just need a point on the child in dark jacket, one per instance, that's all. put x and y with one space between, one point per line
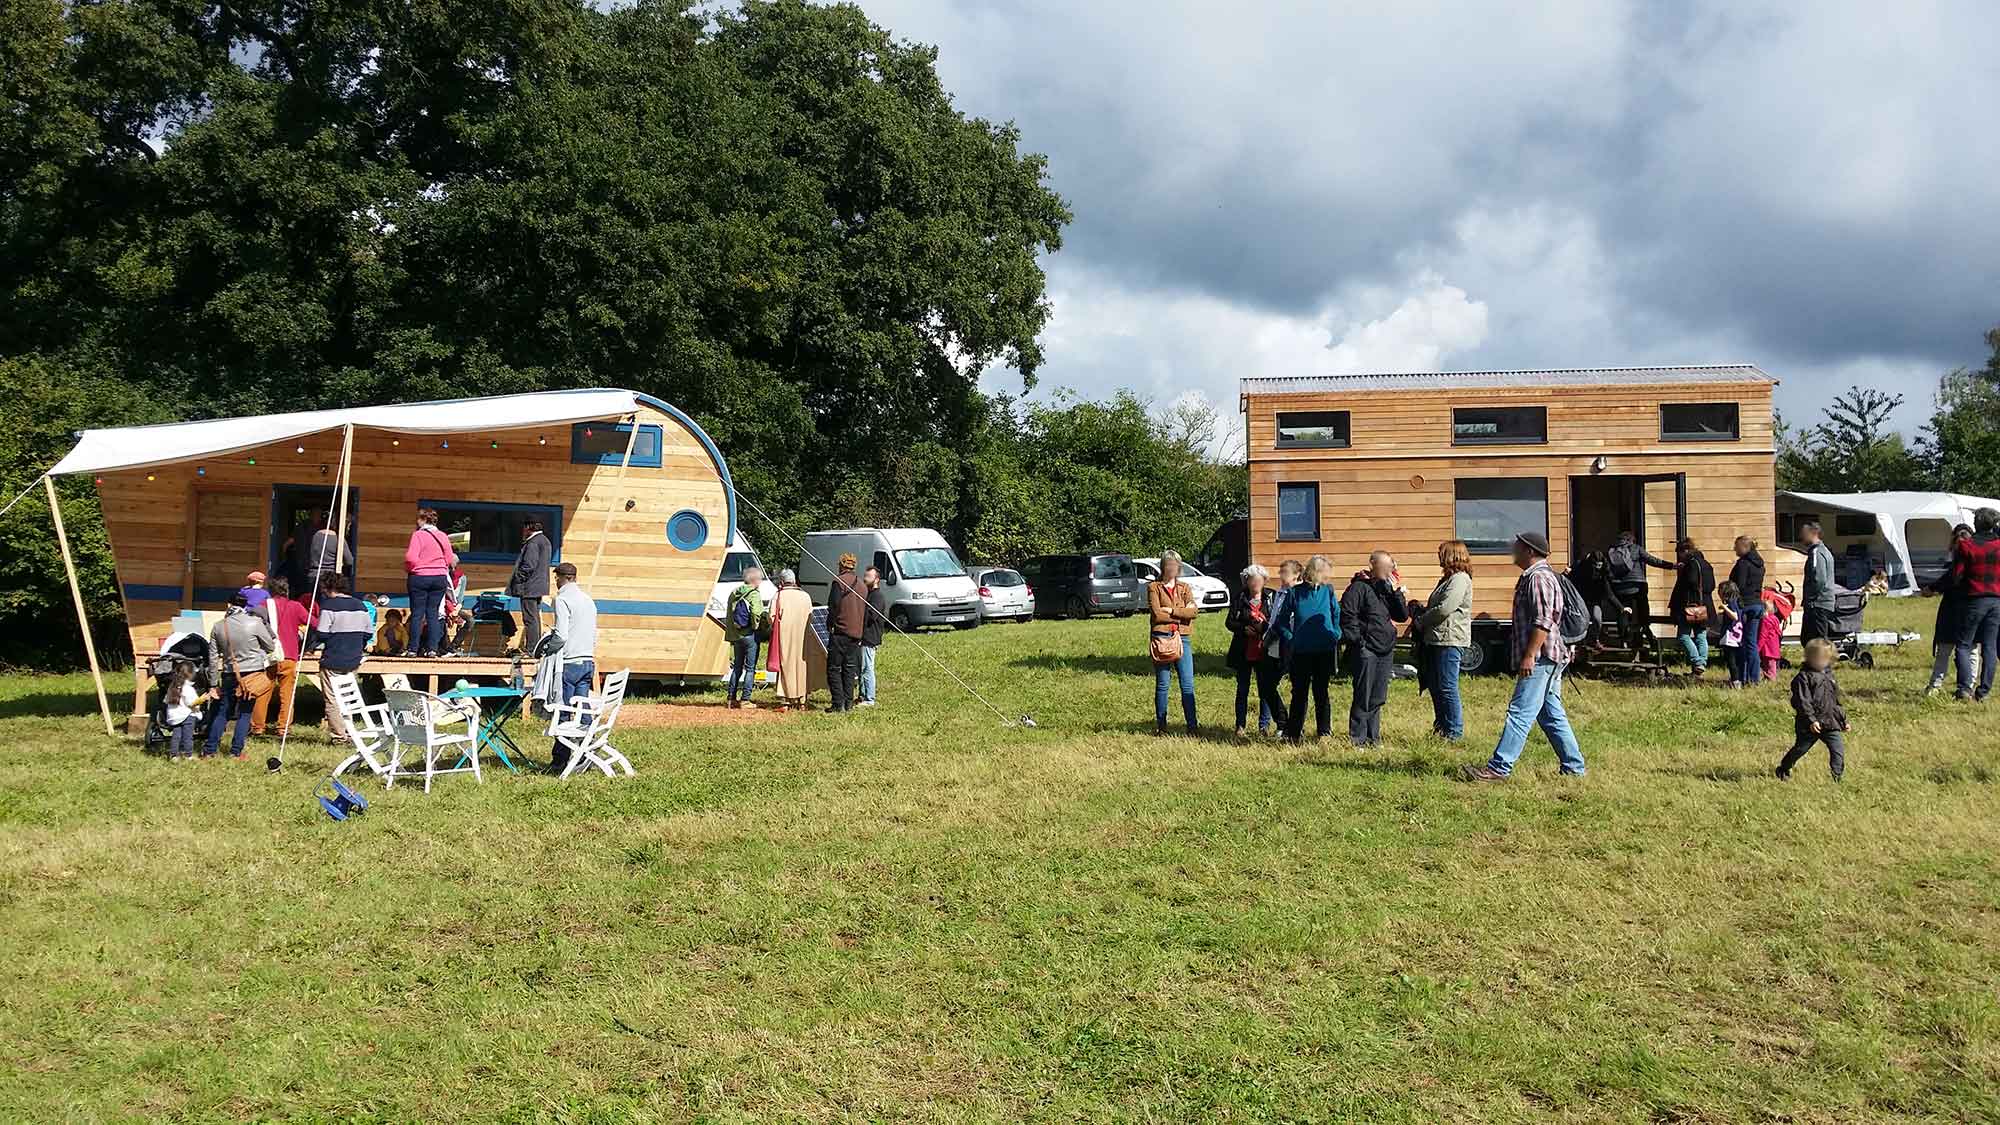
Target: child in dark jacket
1818 715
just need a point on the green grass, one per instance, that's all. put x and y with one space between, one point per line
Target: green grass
916 913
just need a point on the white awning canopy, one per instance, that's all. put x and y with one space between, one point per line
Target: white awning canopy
136 447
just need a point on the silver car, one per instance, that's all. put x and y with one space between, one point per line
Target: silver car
1003 594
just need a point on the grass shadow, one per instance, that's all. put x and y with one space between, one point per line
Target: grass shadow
1117 664
49 705
1375 762
1729 774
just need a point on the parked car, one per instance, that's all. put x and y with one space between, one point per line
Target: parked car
1081 585
922 578
1209 593
741 557
1003 593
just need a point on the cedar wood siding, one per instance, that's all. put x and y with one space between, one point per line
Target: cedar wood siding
1370 496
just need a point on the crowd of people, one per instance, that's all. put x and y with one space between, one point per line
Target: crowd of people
857 610
1295 628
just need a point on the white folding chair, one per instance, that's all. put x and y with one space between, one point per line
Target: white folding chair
368 727
584 726
411 717
444 712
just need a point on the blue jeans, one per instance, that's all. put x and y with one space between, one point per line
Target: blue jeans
1537 701
1244 677
427 611
1164 672
1448 717
576 676
1749 669
868 672
180 739
1980 626
743 667
1694 642
230 708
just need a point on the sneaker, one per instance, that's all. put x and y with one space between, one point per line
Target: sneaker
1483 774
866 703
1782 774
1241 733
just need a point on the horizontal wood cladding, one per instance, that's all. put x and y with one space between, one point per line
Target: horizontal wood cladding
147 516
1593 418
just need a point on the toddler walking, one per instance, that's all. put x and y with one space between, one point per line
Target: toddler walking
1816 710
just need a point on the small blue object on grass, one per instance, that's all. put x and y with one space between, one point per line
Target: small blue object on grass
343 803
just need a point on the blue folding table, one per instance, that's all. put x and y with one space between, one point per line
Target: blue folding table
492 733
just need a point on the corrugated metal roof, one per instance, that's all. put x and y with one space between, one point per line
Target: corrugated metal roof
1555 377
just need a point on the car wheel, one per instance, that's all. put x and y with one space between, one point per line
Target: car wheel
1078 611
900 618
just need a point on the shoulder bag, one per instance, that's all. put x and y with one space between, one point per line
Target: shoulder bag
249 685
1165 648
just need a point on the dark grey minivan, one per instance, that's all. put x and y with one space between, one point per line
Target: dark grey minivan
1082 585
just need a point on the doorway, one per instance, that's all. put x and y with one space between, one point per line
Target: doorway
1653 508
293 507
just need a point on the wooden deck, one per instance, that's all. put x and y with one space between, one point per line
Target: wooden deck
436 673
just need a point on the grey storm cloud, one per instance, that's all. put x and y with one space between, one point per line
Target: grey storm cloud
1808 186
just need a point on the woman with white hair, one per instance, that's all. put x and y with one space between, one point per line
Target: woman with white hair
788 641
1309 627
1172 640
1249 618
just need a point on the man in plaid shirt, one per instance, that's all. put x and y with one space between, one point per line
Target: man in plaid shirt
1977 572
1539 656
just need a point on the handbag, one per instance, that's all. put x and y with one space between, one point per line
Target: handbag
1695 614
1166 648
249 685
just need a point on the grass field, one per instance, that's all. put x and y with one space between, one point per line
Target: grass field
916 913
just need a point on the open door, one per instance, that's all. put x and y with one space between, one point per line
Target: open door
293 507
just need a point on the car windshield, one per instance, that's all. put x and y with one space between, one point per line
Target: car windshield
736 562
1188 571
928 562
1000 578
1112 566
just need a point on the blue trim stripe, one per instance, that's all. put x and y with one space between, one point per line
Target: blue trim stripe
714 454
614 608
609 607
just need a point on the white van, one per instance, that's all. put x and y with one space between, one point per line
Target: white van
922 578
741 557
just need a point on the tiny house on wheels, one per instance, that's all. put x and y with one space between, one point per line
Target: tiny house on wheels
628 488
1344 464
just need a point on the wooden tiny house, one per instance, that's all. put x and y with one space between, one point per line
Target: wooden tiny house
1345 464
630 489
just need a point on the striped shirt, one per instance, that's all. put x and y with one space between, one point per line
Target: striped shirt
1538 604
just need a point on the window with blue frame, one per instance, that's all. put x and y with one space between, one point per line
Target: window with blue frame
603 443
484 532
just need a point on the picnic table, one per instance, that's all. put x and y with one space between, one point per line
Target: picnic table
492 734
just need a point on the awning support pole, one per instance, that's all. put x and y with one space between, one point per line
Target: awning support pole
340 482
611 509
82 618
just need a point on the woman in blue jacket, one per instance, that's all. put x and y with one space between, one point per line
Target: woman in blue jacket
1309 627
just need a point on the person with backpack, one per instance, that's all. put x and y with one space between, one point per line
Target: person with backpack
1374 602
1626 562
742 618
1548 618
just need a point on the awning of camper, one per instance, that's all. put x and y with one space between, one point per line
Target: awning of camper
136 447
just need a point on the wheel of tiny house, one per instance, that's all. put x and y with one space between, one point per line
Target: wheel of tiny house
1078 611
1471 659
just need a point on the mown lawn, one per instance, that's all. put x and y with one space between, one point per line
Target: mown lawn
917 913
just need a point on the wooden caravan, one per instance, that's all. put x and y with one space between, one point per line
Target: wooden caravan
1345 464
629 488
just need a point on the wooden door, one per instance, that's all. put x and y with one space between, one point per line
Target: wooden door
226 538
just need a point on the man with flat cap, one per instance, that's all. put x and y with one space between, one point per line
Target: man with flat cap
1539 655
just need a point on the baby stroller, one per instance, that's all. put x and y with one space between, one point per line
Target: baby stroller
1844 628
179 650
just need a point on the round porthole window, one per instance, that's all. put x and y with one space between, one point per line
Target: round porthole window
687 531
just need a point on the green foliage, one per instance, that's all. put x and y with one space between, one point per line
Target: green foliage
1851 450
1963 438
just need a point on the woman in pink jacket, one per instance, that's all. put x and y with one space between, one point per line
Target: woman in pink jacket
429 560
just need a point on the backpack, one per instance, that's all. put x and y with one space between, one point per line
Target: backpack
739 613
1574 625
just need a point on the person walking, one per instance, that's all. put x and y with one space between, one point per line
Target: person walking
744 616
1817 715
340 631
791 616
240 648
1308 627
1950 620
1818 593
1748 574
428 560
1248 621
846 615
1172 617
1369 610
1977 571
1626 563
1445 627
288 618
871 632
530 582
1692 603
1539 655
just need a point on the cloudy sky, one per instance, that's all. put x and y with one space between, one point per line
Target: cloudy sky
1283 188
